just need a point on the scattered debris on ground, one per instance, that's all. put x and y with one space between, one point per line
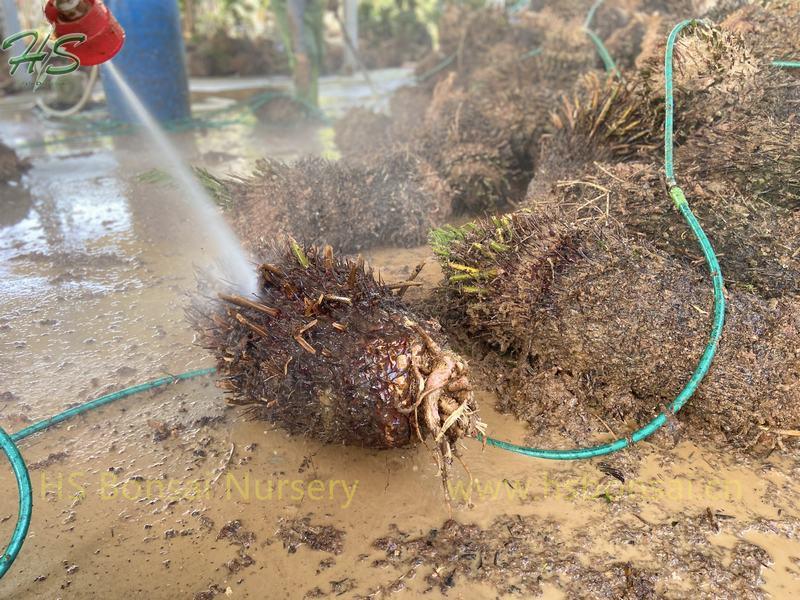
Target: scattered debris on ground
295 533
517 555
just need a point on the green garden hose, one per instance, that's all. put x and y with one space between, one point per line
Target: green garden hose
25 502
679 199
605 55
107 399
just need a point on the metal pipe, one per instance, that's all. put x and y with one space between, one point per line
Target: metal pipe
72 10
350 28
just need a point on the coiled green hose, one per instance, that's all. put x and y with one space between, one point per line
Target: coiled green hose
25 502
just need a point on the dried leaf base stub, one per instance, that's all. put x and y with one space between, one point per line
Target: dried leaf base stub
326 350
623 324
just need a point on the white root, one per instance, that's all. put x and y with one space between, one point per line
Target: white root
444 398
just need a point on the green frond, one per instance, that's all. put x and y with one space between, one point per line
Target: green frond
442 239
219 193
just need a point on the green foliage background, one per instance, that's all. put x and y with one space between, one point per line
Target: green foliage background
253 17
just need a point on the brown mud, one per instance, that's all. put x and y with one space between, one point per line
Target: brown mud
523 556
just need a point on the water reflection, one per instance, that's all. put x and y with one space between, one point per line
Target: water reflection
65 228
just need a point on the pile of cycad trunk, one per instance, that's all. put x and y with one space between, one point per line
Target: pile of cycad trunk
463 141
598 287
592 284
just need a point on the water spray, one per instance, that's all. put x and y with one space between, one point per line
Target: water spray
104 40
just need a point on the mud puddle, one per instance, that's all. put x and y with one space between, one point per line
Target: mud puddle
125 511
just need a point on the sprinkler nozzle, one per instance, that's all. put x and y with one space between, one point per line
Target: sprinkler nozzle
72 10
104 34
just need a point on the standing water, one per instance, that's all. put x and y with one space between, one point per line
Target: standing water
234 259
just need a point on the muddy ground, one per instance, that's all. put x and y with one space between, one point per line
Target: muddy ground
171 494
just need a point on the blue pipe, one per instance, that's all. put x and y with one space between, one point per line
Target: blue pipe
152 61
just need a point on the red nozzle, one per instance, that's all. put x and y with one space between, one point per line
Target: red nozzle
104 35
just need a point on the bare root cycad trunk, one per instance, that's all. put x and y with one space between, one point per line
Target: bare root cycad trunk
349 205
326 350
623 318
